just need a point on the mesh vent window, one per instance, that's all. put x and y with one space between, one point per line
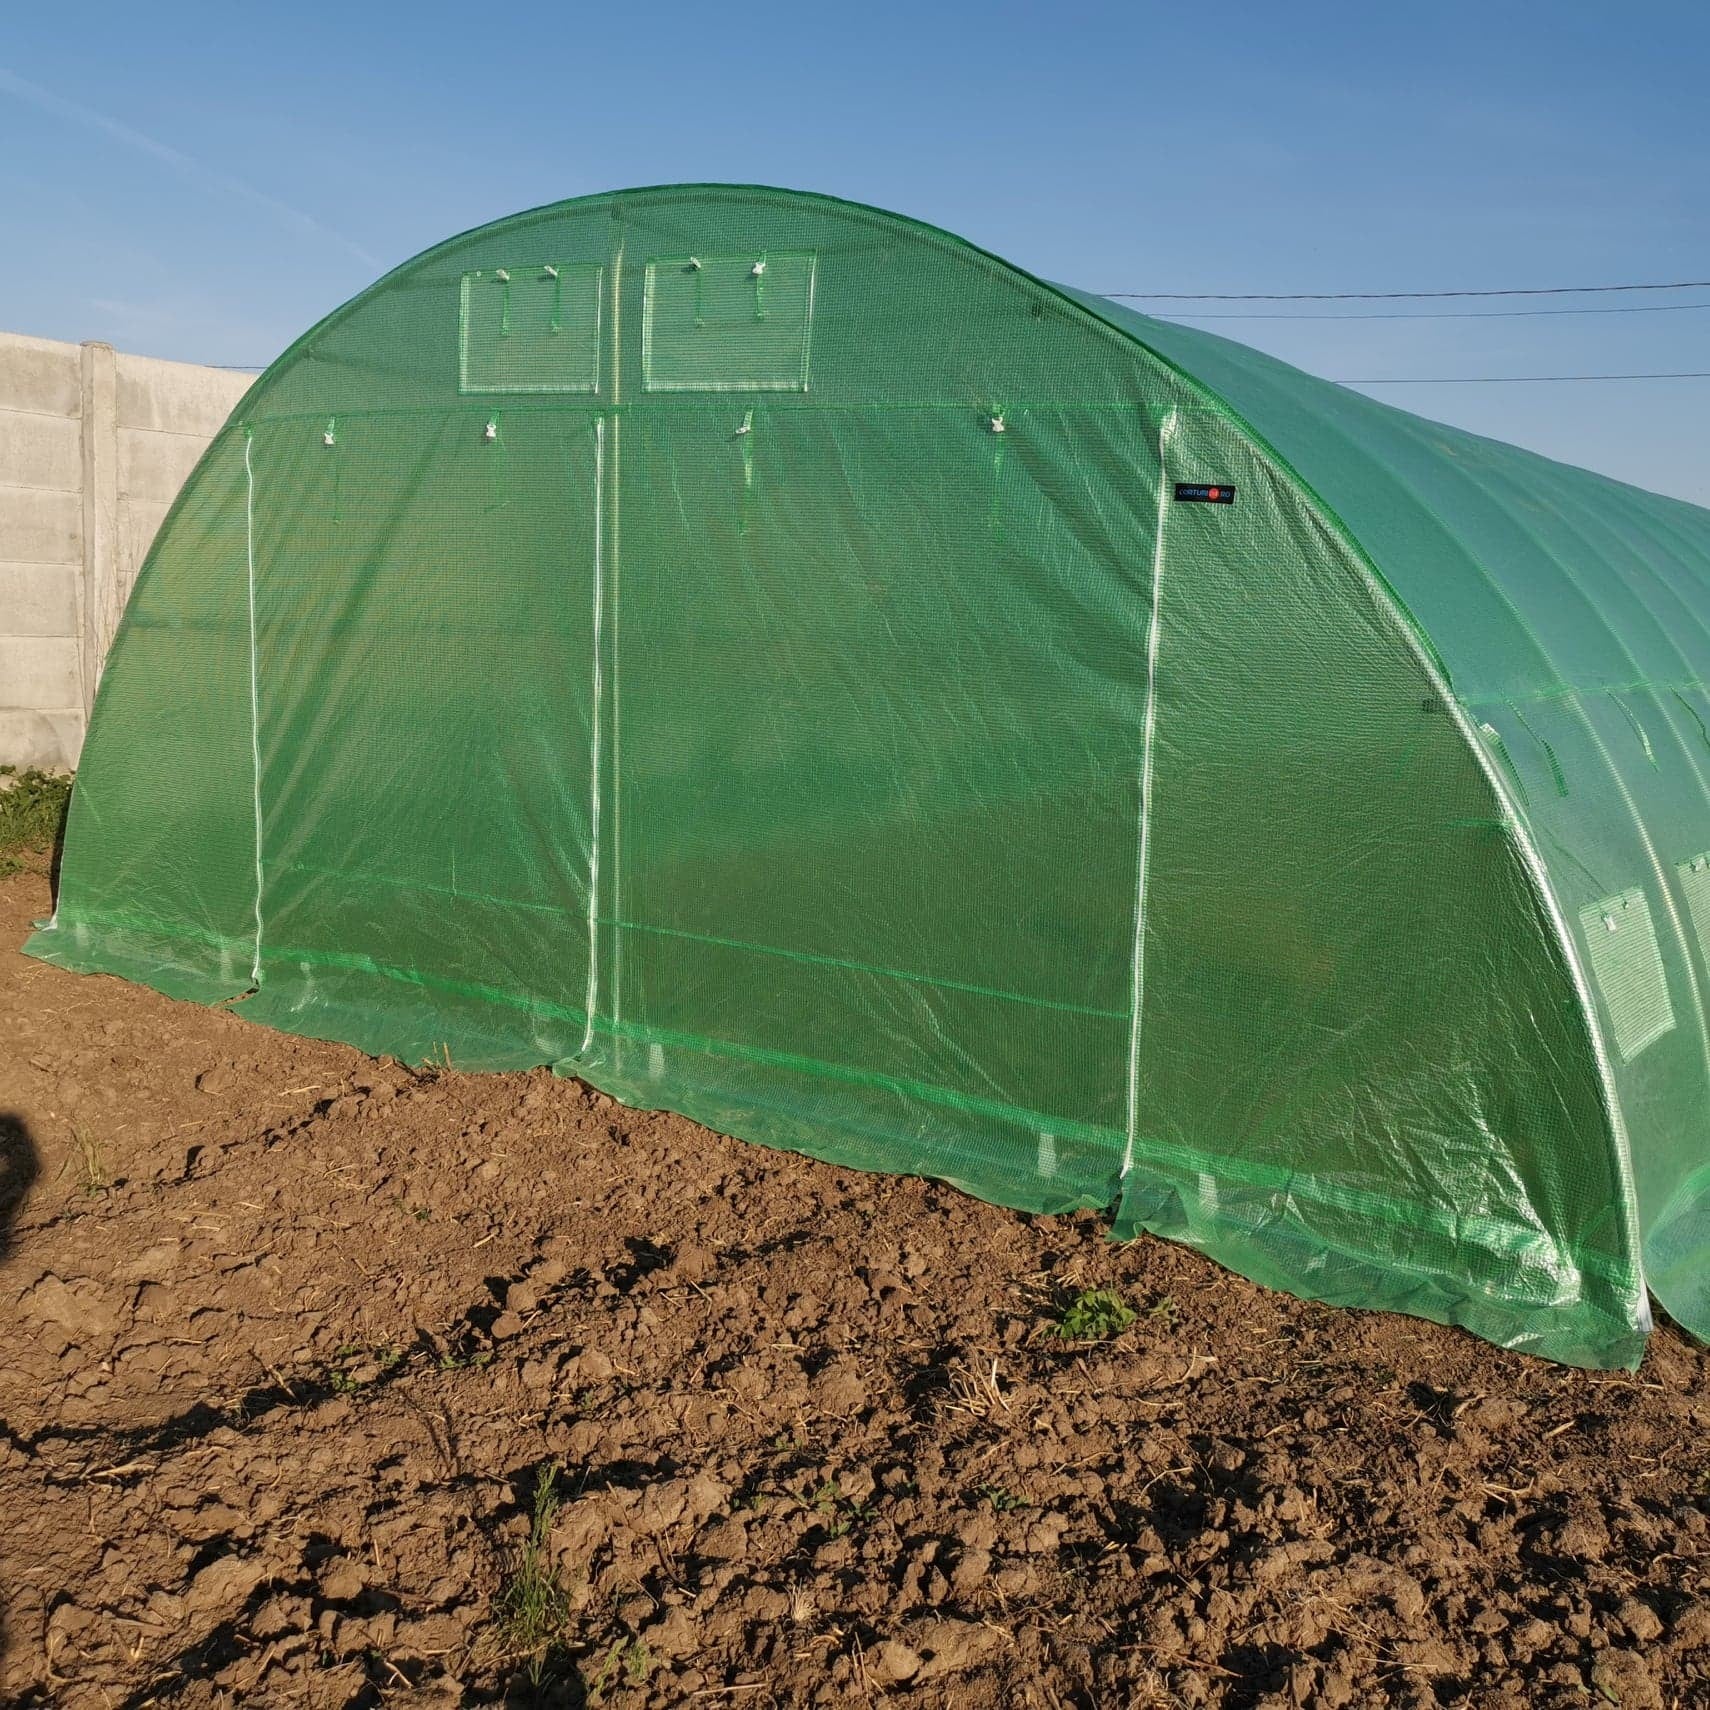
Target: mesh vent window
1629 971
1694 878
531 329
728 323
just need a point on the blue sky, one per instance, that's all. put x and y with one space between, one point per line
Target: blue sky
204 181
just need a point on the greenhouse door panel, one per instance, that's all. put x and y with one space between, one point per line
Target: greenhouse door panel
425 624
882 685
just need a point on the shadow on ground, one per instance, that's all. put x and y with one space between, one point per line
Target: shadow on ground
19 1166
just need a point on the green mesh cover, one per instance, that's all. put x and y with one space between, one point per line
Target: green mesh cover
775 660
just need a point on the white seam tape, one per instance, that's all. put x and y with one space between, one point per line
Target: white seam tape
594 745
1137 985
254 691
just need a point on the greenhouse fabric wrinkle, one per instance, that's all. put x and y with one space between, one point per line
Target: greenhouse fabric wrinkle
780 663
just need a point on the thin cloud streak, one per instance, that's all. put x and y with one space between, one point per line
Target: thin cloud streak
22 89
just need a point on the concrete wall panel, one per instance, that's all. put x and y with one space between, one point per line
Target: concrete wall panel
94 447
41 672
153 464
39 599
176 397
40 528
39 375
40 451
40 738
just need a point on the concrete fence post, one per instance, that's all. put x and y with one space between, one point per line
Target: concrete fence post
101 595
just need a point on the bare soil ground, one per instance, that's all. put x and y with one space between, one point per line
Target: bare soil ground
291 1338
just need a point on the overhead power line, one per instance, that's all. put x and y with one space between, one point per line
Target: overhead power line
1520 379
1395 296
1434 315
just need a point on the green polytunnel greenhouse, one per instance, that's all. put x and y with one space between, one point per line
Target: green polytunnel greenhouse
778 662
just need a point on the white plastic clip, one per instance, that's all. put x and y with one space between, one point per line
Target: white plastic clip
492 432
501 274
997 425
550 271
756 270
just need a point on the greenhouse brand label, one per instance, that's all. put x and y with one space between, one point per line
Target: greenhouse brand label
1199 493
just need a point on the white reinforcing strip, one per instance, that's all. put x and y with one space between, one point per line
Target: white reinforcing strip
611 571
1137 983
254 690
594 745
